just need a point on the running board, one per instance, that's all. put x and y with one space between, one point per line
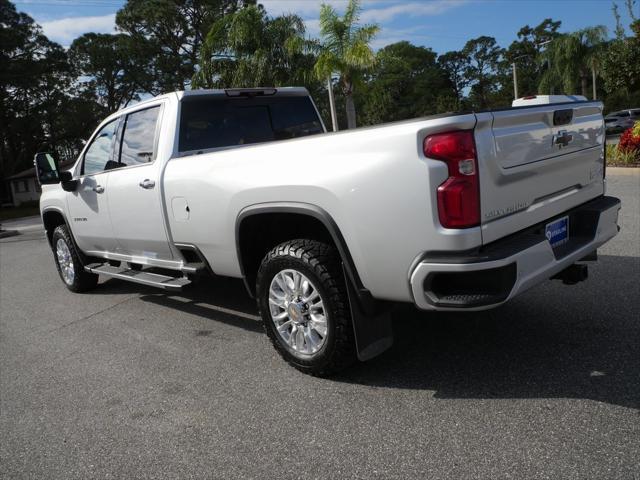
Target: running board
139 276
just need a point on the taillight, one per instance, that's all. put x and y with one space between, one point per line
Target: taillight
459 195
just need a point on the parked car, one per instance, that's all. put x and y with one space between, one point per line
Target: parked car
456 212
618 122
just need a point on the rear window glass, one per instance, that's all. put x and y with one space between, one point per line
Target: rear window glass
215 122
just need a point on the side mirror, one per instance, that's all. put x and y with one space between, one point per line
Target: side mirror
48 172
67 181
46 168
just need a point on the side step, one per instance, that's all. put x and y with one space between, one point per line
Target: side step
165 282
194 267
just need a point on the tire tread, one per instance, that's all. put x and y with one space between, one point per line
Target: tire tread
83 281
325 263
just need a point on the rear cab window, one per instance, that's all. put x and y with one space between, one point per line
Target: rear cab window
217 121
138 138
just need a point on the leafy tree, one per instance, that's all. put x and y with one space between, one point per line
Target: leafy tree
483 54
345 50
525 53
34 75
406 82
455 65
621 64
572 57
249 48
111 66
173 32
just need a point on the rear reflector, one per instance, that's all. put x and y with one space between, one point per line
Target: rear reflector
459 195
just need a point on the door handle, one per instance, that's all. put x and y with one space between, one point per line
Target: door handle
98 189
146 183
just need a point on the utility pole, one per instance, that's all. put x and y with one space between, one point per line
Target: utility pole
332 105
515 74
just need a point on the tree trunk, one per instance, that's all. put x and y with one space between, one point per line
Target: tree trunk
584 85
351 110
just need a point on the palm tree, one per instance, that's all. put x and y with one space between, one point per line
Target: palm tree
345 50
249 49
573 57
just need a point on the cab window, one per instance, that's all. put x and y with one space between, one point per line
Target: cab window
218 122
138 137
100 149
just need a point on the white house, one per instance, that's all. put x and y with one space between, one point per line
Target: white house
24 187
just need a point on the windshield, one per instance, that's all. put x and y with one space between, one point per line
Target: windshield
214 121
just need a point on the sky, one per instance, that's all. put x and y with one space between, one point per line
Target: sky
442 25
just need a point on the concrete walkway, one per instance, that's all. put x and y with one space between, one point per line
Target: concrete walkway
23 225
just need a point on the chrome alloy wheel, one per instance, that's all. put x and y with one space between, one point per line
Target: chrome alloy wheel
298 311
65 261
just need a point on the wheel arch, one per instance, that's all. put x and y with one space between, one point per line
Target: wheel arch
52 218
255 216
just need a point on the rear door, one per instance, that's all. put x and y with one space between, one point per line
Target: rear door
134 195
537 162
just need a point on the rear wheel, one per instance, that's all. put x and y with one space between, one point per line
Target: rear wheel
304 306
69 264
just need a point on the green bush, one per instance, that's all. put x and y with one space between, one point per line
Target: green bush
618 158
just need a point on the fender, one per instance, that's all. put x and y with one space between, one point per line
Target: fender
82 255
62 214
317 213
371 318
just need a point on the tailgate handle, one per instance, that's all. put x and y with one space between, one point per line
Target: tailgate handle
562 117
562 138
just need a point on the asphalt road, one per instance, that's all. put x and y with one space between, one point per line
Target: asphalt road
129 382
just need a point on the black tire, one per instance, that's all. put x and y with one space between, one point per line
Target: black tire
82 280
321 264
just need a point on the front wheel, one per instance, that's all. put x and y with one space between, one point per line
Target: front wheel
69 264
304 306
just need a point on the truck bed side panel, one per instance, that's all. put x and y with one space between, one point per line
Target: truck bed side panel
374 182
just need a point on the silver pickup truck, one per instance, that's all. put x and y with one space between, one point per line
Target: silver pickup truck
329 230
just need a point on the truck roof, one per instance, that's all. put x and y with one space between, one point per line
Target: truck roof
230 92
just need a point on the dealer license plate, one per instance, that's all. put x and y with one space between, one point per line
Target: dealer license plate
557 232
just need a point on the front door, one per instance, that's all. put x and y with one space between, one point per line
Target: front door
135 196
88 208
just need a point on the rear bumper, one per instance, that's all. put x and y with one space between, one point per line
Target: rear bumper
499 271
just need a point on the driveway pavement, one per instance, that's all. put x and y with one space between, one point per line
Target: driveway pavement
130 382
23 225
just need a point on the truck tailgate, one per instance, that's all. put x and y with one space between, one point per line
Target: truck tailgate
537 162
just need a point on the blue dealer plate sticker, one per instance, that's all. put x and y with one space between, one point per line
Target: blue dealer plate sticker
557 232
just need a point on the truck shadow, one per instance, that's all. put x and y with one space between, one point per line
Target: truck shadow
555 341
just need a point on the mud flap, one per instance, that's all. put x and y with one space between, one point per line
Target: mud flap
372 328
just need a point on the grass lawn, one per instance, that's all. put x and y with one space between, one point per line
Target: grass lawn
25 210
